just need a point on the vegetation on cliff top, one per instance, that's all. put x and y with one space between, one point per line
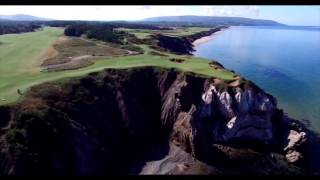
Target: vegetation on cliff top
21 56
178 32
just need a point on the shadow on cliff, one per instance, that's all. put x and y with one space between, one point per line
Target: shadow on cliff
150 152
114 122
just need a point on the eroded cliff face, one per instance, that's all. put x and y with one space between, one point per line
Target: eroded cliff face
105 122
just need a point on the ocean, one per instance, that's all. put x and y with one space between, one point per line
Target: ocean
284 61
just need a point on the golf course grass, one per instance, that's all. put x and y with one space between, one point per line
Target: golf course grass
20 59
145 33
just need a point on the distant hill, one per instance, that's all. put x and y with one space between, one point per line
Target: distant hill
213 20
22 17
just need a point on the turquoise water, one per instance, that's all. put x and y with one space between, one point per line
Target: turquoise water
283 62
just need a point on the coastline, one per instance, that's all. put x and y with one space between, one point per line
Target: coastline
202 40
192 87
207 37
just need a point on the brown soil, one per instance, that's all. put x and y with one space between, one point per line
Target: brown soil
236 82
73 53
218 81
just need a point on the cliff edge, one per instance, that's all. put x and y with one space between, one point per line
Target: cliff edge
149 121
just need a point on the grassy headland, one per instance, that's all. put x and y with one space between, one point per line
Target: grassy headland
21 56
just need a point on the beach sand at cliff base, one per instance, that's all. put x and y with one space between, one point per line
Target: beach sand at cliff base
205 38
202 40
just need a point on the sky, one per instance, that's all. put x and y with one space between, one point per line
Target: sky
290 15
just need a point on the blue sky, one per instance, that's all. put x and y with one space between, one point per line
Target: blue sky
291 15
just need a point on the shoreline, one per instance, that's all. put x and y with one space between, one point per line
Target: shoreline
206 38
202 40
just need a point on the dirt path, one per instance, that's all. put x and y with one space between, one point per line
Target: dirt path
102 45
131 52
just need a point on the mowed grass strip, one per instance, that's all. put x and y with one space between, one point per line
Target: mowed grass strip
20 52
18 74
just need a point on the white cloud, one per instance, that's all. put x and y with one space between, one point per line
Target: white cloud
240 11
127 12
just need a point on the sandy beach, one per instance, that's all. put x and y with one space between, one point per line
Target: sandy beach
202 40
206 38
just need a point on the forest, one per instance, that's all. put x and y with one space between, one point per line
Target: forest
10 27
103 32
179 45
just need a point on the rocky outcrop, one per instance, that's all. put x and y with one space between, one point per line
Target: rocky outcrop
293 156
296 139
103 123
178 45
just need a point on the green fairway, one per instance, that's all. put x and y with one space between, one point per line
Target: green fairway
145 33
20 52
186 31
19 56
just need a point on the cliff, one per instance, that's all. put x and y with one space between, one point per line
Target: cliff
148 120
180 45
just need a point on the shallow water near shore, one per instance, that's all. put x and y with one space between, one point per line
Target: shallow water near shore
285 62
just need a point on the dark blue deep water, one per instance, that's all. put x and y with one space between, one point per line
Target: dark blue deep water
284 62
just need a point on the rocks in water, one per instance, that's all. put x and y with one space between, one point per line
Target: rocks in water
296 139
293 156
